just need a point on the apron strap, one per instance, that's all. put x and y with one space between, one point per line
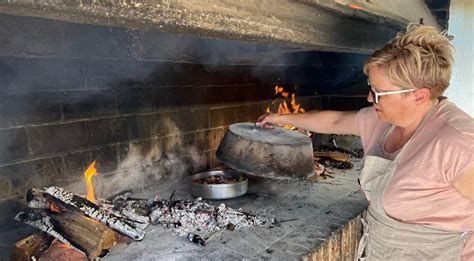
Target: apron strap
360 256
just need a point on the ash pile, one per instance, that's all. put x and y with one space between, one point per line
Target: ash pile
91 228
184 216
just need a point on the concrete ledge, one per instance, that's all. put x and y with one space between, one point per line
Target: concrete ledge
305 24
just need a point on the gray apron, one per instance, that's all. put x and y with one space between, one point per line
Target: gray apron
385 238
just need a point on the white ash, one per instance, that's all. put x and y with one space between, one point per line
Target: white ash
182 216
40 203
187 216
135 211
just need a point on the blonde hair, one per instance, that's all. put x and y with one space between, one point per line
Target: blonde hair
422 57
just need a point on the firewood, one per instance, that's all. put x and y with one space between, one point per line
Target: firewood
35 199
335 159
70 200
71 228
41 219
58 251
334 155
91 236
31 247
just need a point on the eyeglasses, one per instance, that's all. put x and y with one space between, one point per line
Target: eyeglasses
376 94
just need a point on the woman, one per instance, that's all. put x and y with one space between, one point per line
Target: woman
418 173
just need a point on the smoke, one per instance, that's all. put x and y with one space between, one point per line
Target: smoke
146 165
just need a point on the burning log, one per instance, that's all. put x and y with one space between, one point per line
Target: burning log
89 235
35 199
335 159
71 228
40 219
31 247
59 251
68 199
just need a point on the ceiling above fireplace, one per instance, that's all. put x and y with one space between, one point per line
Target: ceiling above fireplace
357 26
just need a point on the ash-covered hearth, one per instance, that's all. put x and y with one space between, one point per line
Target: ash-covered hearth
126 215
313 220
272 213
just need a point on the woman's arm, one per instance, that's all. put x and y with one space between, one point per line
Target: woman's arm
330 122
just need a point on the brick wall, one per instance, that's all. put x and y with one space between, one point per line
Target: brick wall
137 102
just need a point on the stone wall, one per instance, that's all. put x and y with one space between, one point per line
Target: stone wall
144 105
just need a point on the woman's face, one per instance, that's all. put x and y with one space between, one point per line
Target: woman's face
393 108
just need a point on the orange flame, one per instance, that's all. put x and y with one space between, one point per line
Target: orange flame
283 107
54 208
63 246
90 171
356 7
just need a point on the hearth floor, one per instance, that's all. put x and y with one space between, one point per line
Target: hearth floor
309 212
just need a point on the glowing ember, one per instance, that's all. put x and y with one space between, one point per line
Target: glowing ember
356 7
283 107
90 171
62 245
54 208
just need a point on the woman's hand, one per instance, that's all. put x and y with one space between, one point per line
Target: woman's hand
267 120
334 122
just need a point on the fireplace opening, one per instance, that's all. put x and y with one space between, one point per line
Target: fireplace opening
150 109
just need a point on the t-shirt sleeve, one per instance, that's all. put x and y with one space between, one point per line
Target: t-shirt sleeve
456 141
459 162
368 125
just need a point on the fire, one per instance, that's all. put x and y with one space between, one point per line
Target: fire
90 171
63 246
356 7
54 208
283 107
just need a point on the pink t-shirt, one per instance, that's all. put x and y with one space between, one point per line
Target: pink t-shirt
421 190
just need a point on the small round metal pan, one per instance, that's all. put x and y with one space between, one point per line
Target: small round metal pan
219 184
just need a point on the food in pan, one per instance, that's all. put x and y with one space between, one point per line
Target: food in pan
219 179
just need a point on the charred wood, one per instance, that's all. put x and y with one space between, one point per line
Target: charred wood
41 219
89 235
35 199
31 247
134 210
71 200
73 229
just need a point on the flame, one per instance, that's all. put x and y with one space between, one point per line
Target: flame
283 107
278 89
356 7
63 245
90 171
54 208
